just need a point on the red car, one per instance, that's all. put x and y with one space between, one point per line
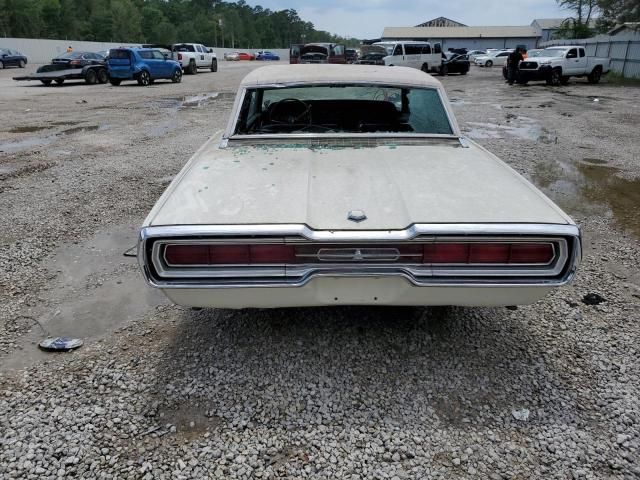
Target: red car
246 56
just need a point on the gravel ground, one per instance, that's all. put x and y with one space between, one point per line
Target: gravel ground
550 390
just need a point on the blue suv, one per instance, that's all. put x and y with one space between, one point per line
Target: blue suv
142 64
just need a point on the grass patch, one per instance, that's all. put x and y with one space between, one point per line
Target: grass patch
617 79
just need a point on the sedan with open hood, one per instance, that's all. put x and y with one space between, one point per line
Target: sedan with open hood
351 186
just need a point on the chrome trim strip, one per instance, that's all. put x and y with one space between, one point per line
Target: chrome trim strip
292 271
326 136
288 276
303 232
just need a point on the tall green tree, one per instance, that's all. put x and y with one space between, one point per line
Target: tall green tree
616 12
212 22
578 26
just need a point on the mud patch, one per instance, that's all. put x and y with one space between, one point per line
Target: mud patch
64 123
204 99
191 421
13 170
74 130
594 161
93 290
196 101
16 146
26 144
27 129
520 127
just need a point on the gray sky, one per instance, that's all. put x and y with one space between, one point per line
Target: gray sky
367 18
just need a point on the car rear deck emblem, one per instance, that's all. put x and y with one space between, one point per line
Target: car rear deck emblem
357 216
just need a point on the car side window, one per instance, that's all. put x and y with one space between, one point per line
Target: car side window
146 55
426 49
398 50
157 55
573 53
582 54
437 48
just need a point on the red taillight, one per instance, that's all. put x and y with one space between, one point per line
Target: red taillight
489 253
479 253
187 254
531 253
177 254
221 254
272 254
446 253
472 253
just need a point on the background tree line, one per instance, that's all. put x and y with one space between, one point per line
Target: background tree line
596 16
211 22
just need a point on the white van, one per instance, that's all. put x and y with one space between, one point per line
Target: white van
421 55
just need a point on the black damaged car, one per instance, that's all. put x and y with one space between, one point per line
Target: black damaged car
454 63
371 55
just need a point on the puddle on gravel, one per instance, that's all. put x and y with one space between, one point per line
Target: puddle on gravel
582 185
199 100
520 127
173 104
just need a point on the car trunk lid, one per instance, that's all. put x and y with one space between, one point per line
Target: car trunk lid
394 185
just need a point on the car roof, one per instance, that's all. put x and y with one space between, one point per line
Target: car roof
302 73
400 42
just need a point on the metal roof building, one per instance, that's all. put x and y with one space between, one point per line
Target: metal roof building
473 38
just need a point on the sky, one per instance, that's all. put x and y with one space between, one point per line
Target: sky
367 18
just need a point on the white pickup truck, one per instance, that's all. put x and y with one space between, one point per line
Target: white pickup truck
193 56
557 64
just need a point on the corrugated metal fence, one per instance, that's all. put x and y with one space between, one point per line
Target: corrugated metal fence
623 49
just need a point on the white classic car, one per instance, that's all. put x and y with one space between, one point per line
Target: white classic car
351 186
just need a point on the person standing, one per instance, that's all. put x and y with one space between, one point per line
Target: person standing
513 62
69 49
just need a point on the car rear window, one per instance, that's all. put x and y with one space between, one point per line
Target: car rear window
119 54
70 55
343 109
184 48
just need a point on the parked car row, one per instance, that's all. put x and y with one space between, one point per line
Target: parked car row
261 55
145 65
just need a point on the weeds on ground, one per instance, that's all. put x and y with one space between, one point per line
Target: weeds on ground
616 78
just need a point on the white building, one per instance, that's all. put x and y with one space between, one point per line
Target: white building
473 38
